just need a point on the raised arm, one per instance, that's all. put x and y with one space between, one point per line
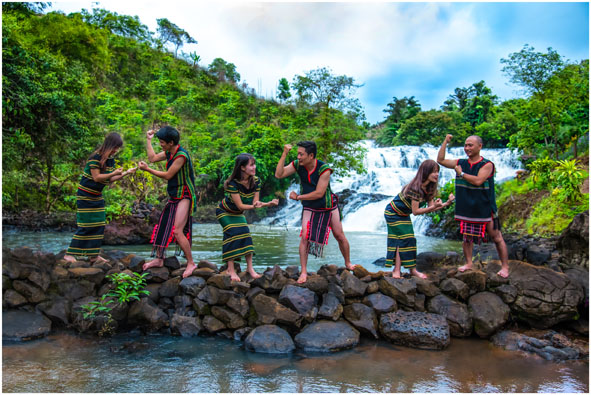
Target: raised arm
153 156
120 176
449 163
168 174
318 193
283 171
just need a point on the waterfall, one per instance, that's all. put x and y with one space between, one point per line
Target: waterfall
388 170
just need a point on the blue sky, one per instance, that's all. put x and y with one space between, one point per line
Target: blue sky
416 49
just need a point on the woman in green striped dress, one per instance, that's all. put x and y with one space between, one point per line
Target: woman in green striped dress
402 244
242 193
90 216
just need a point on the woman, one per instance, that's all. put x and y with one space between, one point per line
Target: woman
402 244
90 215
242 193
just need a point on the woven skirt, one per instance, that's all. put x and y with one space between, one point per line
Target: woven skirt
401 237
90 219
237 241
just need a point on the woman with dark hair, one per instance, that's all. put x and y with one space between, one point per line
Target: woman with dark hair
402 244
90 215
242 193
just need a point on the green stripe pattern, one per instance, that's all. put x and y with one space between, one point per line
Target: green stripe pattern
401 234
237 241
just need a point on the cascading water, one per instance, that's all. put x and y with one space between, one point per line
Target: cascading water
388 170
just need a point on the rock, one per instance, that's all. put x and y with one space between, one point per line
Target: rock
185 326
270 311
337 291
136 264
428 260
58 310
317 284
253 292
273 280
212 324
240 287
293 272
153 289
380 303
537 255
545 348
580 276
363 318
170 288
93 275
456 314
75 289
206 264
327 270
145 313
157 274
474 279
40 279
204 272
380 262
172 263
455 288
10 267
269 339
12 299
420 302
22 325
183 304
352 286
230 319
402 290
32 293
414 329
507 292
426 287
327 336
210 295
59 273
222 281
239 334
372 287
300 299
488 312
239 305
573 243
201 307
192 285
331 308
127 230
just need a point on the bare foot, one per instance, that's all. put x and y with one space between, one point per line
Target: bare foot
69 258
153 263
233 276
396 274
350 266
254 274
303 277
504 272
189 270
467 266
418 274
98 259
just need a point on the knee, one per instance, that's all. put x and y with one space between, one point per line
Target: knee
339 236
178 233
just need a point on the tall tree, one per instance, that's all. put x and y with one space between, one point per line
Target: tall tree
283 92
171 33
225 71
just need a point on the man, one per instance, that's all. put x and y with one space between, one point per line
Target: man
320 210
175 221
476 208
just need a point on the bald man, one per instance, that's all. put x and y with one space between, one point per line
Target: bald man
476 208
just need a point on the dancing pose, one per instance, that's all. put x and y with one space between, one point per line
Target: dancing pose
175 221
320 210
476 208
402 244
242 189
90 215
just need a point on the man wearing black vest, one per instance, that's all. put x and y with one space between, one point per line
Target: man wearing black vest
476 207
320 211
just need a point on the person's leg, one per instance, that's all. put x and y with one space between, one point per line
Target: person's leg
467 247
396 271
416 273
497 238
180 219
304 248
231 271
339 235
249 268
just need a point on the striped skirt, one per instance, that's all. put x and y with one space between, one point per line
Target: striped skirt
401 237
237 241
90 218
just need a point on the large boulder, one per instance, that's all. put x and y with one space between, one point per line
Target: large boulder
488 312
58 310
128 230
363 318
31 292
192 285
331 307
185 326
573 243
145 313
544 296
229 318
380 303
269 339
327 336
474 279
401 289
415 329
456 314
13 299
352 286
455 288
550 346
270 311
23 325
300 299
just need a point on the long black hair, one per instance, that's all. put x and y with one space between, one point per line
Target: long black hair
112 141
241 160
425 169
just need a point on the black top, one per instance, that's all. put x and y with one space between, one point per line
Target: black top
309 182
87 186
246 195
184 179
475 203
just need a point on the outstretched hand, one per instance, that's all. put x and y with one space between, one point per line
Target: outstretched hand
274 202
438 204
293 195
117 172
142 165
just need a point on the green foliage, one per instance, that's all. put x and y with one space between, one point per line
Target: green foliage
127 287
568 178
541 172
171 33
551 215
283 92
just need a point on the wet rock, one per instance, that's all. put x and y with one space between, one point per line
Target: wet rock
145 313
153 289
239 305
192 285
352 286
380 262
201 307
93 275
128 230
22 325
240 287
270 311
183 304
361 272
337 291
240 334
293 272
58 310
363 318
537 255
212 324
380 303
317 284
429 260
402 290
506 292
170 288
210 295
172 263
456 314
573 243
269 339
488 312
327 336
221 281
253 292
331 307
40 278
157 274
300 299
420 302
545 348
474 279
229 318
426 287
414 329
75 289
327 270
185 326
12 299
372 287
32 293
455 288
206 264
204 272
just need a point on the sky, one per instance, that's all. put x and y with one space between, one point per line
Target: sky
425 50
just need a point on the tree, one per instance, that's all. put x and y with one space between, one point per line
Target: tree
224 71
532 70
283 92
398 111
123 25
171 33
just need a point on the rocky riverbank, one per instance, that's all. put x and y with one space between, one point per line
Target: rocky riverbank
330 312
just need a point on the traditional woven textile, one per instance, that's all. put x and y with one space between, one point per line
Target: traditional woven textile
475 232
163 233
401 234
317 231
237 241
